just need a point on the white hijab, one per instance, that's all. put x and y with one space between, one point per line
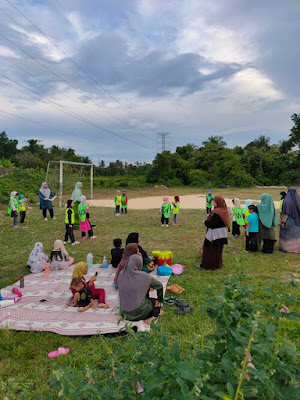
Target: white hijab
37 259
82 200
59 246
46 192
12 195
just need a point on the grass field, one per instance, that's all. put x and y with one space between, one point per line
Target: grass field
24 366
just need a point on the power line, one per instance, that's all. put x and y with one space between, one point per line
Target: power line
69 58
163 137
72 114
62 79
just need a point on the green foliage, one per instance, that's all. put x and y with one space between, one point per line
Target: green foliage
8 147
242 359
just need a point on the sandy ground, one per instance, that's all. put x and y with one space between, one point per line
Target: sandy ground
146 203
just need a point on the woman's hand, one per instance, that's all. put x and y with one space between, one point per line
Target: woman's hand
157 304
203 222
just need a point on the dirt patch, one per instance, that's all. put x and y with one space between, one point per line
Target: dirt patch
146 203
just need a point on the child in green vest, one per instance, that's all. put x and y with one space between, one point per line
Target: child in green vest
282 194
13 208
237 218
118 201
165 211
22 207
84 219
124 201
209 201
176 206
70 221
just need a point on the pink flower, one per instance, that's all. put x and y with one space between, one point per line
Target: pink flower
139 387
284 309
251 365
112 375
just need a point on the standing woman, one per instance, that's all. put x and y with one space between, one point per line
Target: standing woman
217 223
289 236
76 196
46 199
267 222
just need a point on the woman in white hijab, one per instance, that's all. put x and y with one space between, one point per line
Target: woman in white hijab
37 259
46 199
59 257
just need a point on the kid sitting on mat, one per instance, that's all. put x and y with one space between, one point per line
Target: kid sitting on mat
82 295
117 252
80 270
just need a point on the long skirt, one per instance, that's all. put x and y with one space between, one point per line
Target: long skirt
289 236
75 208
212 256
268 237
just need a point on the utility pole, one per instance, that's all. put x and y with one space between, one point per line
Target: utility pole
163 141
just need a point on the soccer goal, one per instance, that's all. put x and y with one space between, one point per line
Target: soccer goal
70 179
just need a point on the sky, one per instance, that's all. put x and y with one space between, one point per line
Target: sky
105 76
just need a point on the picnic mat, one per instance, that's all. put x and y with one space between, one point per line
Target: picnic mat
53 315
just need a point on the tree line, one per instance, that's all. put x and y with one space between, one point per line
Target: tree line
211 164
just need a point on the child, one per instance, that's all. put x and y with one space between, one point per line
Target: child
70 221
80 270
37 259
237 219
209 201
282 194
252 229
118 201
82 295
59 257
176 206
22 207
165 211
248 203
84 223
117 252
124 201
13 208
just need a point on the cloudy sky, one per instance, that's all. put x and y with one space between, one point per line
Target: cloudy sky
104 76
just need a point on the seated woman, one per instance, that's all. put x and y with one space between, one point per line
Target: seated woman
130 249
134 286
134 237
80 270
37 259
59 257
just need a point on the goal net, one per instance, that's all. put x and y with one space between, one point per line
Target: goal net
62 176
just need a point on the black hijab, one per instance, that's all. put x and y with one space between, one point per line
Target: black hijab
133 237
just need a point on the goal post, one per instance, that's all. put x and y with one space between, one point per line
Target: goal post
61 175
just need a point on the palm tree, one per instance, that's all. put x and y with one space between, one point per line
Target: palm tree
218 140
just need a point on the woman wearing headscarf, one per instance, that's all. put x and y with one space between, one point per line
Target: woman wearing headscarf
267 222
46 199
76 196
217 223
134 286
37 259
289 236
80 270
130 249
59 257
134 237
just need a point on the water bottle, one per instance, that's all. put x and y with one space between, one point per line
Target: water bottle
89 260
47 271
105 262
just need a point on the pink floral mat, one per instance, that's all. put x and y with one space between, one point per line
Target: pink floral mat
53 315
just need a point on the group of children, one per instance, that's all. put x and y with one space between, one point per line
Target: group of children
85 225
165 210
17 205
121 202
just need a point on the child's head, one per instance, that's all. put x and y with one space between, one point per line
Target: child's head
118 191
117 243
166 199
70 203
252 209
21 196
124 191
282 194
209 191
176 198
77 284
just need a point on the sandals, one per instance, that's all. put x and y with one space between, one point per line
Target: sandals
184 308
170 300
175 289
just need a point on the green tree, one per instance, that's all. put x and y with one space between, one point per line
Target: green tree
295 131
218 140
8 147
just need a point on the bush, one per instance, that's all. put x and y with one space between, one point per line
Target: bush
201 178
242 359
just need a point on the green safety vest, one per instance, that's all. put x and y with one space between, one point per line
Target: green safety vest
123 199
118 200
9 210
22 206
176 208
238 212
166 209
209 198
72 216
280 204
82 211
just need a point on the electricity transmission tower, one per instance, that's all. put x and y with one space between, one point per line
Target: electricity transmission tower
163 142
